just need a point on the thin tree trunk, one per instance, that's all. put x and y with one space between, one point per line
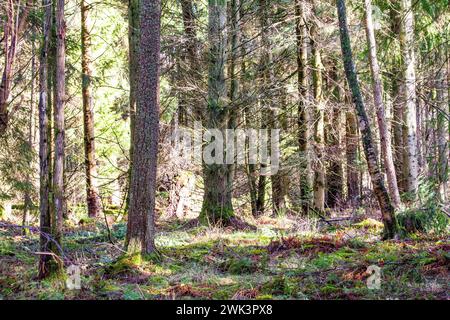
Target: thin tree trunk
319 129
306 174
385 136
411 152
387 210
141 227
92 195
58 168
442 126
44 142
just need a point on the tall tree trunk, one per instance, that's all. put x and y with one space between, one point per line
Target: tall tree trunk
217 206
335 175
133 50
92 195
58 168
443 125
411 152
306 175
44 143
385 136
397 104
28 203
319 128
141 227
387 210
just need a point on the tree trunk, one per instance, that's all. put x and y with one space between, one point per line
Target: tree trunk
411 152
92 195
385 136
397 104
141 228
217 206
352 157
387 210
319 128
58 168
133 45
335 175
44 143
306 175
443 127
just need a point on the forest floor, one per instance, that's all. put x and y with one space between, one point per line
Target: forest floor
278 260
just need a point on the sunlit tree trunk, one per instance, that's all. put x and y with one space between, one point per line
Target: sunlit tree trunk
407 46
385 136
92 195
217 206
141 227
133 46
44 143
306 174
58 168
319 129
387 210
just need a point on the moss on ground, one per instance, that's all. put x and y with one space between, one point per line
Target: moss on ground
202 263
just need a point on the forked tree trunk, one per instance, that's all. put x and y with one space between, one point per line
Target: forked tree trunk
387 210
92 195
141 228
385 136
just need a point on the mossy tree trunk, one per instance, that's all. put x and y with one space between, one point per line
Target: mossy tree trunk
141 227
385 135
387 210
217 206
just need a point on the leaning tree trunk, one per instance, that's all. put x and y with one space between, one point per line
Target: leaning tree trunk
385 136
387 210
44 143
141 227
306 176
217 206
92 195
58 168
411 152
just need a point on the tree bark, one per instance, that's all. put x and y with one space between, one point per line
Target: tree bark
387 210
306 174
92 195
385 136
141 228
319 128
411 153
217 206
44 143
58 168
